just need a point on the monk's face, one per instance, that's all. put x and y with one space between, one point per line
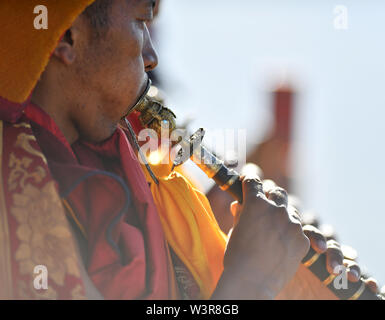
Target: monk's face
109 71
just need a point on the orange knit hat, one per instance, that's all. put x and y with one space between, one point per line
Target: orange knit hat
24 50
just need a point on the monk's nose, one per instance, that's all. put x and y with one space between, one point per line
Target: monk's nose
150 57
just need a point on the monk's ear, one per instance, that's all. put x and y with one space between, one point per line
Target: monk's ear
65 50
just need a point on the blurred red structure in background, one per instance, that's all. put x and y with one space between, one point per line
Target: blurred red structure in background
273 155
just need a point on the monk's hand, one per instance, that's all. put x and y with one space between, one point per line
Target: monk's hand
335 260
265 247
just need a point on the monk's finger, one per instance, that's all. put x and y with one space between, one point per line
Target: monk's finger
268 185
278 195
251 169
334 257
252 187
354 270
317 240
294 214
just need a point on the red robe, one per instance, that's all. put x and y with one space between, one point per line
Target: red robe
106 195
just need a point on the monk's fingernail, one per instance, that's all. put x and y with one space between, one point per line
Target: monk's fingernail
322 245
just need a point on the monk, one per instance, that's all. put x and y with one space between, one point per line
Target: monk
74 198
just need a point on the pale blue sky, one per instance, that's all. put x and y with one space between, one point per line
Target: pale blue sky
222 55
